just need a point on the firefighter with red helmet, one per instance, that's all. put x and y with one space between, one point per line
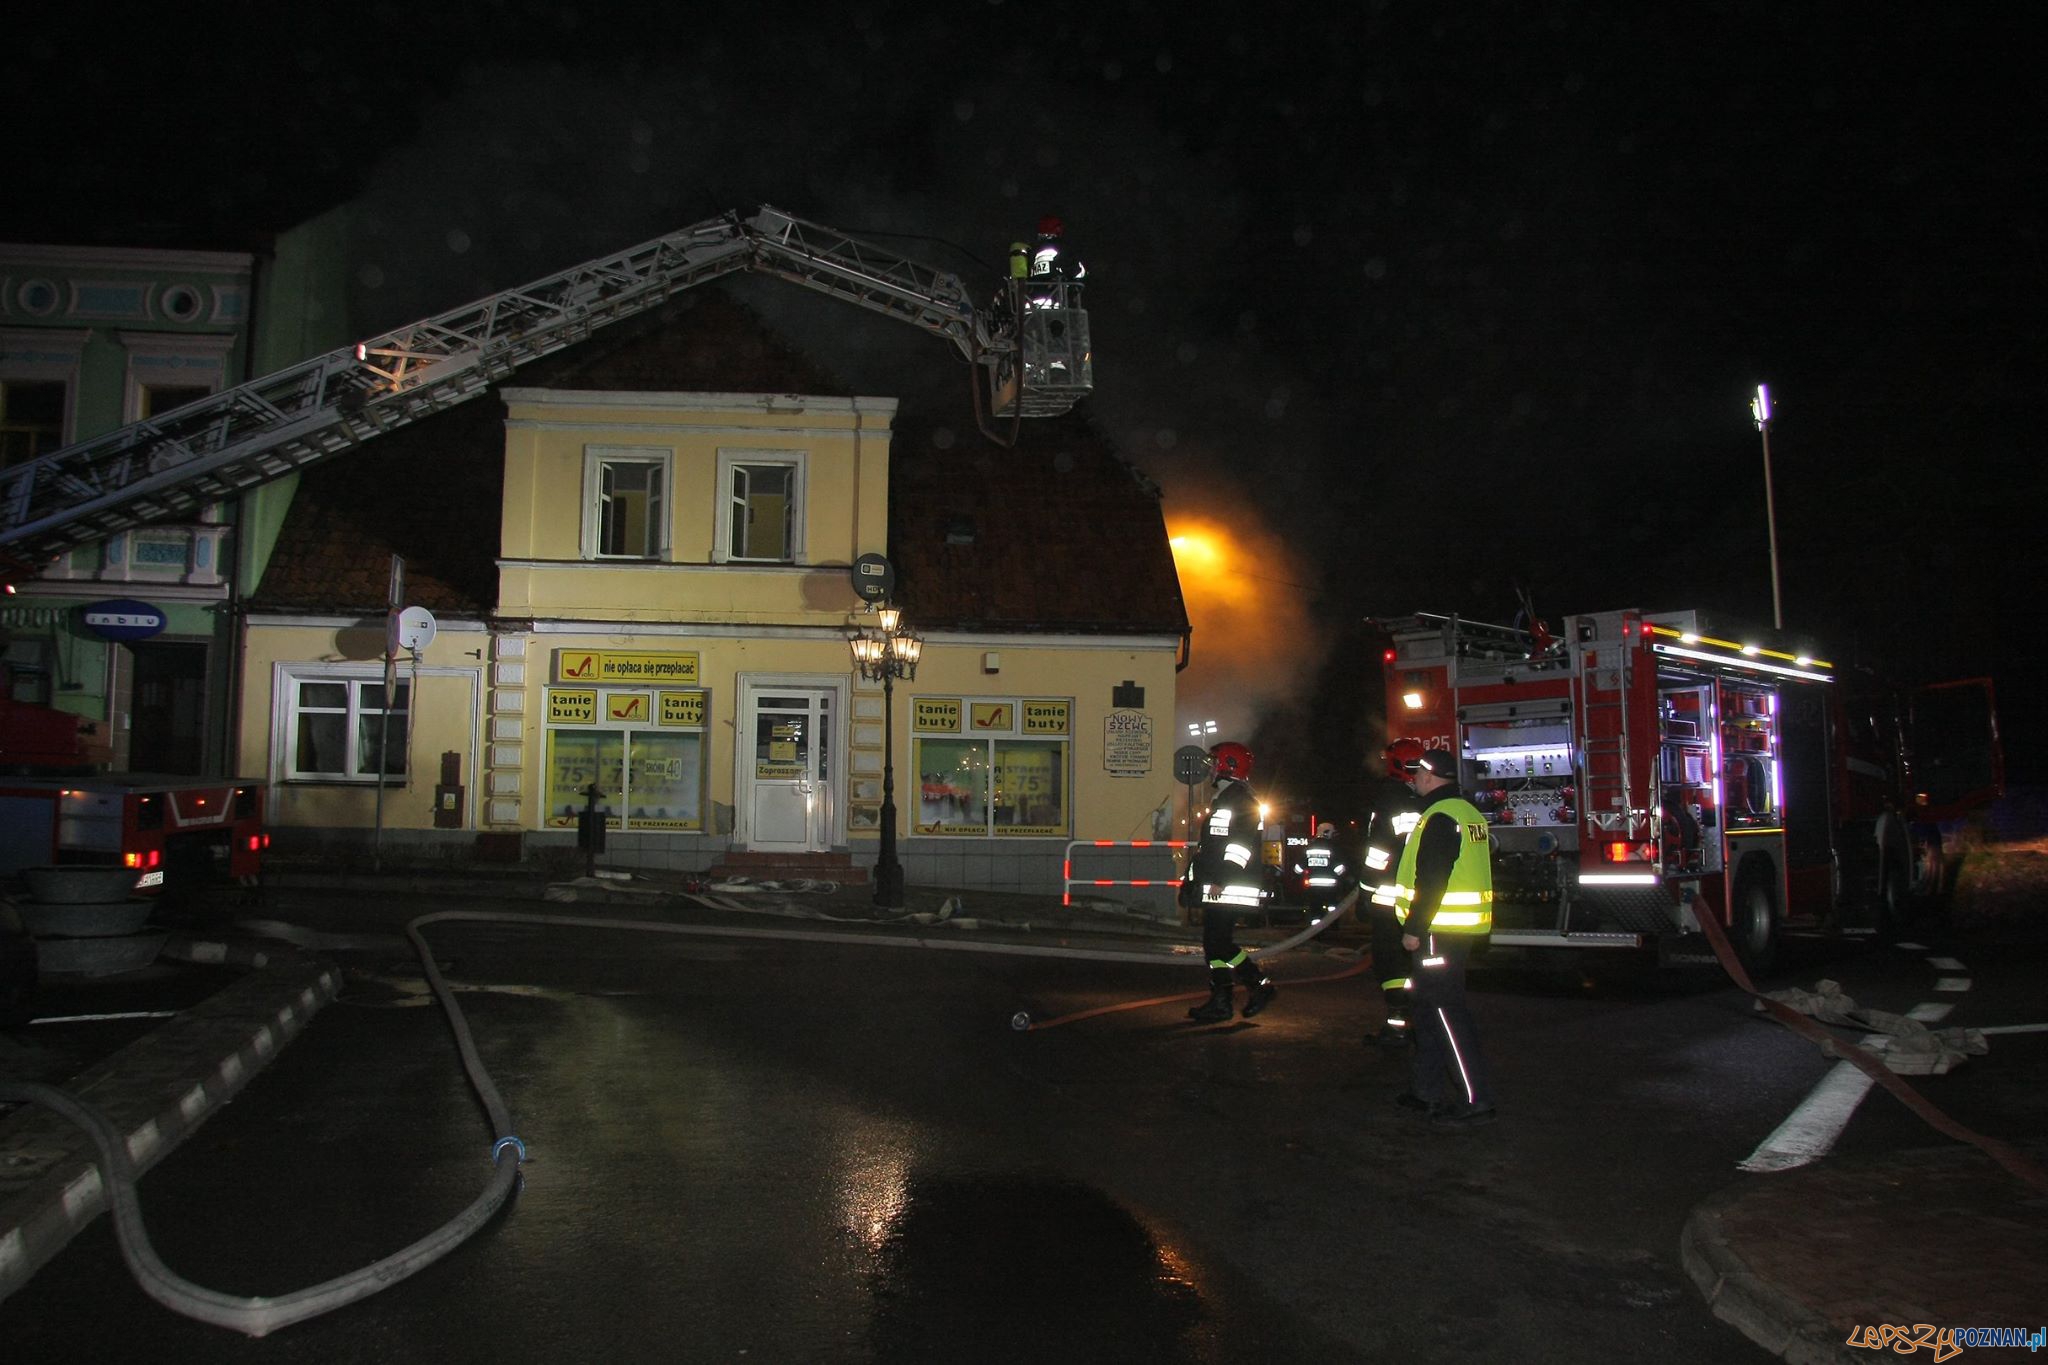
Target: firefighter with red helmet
1230 873
1054 262
1395 810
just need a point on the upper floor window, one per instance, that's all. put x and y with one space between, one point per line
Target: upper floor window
158 399
626 517
31 418
763 516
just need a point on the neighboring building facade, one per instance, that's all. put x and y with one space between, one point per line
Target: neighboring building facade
639 557
93 339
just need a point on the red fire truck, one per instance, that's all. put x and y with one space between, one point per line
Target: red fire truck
174 831
1644 768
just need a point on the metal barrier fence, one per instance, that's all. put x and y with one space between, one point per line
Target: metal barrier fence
1067 864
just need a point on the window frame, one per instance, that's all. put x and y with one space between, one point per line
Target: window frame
957 727
290 709
661 515
195 360
733 459
36 355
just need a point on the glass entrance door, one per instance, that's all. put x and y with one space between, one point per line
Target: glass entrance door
789 769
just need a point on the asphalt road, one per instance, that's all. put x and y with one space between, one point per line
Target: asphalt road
816 1151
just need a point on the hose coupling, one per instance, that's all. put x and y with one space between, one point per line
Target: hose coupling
498 1149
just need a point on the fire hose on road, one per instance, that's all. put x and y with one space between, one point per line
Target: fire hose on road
261 1315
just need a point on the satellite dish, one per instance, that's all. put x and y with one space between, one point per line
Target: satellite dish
414 628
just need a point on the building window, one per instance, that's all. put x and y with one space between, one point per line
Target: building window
167 370
763 517
27 670
158 399
992 766
31 418
626 517
644 750
335 725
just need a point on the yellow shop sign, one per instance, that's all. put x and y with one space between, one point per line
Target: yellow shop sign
1044 717
572 706
610 666
682 708
935 715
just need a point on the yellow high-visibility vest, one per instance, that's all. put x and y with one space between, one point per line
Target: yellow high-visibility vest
1467 906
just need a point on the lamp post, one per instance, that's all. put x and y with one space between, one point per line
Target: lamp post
886 651
1760 409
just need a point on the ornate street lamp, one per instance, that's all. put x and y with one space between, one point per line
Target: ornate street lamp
885 651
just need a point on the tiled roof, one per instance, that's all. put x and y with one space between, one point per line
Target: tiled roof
1057 534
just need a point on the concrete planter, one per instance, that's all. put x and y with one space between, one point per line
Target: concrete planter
85 921
97 956
79 885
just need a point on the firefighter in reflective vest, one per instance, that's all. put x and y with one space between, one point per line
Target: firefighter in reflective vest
1325 876
1229 869
1395 810
1443 894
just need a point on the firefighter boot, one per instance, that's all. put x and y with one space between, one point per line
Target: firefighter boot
1218 1007
1395 1032
1259 988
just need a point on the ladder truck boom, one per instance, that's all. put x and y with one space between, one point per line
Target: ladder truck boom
167 467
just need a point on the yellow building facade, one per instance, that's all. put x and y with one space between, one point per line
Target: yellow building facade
674 600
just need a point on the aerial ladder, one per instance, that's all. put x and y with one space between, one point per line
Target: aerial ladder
1030 358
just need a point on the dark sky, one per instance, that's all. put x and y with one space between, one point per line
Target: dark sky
1427 301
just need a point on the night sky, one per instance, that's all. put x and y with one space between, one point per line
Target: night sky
1416 304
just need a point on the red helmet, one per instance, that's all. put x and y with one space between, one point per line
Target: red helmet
1403 757
1050 226
1232 760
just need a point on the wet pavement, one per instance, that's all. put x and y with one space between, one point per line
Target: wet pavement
1800 1261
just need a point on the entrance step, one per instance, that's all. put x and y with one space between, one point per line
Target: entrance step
789 867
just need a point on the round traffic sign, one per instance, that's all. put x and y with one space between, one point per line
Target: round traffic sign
874 578
1192 764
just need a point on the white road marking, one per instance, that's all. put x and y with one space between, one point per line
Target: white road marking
1911 947
1813 1127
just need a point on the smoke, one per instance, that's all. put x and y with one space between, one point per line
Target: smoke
1248 593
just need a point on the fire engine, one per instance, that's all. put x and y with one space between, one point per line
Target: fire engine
1641 769
175 832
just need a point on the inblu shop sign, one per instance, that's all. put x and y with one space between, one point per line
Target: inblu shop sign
123 618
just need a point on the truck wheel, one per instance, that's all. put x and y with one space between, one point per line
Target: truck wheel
1894 905
1754 927
1893 910
1930 874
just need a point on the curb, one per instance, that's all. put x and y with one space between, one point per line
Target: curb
157 1091
1773 1320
